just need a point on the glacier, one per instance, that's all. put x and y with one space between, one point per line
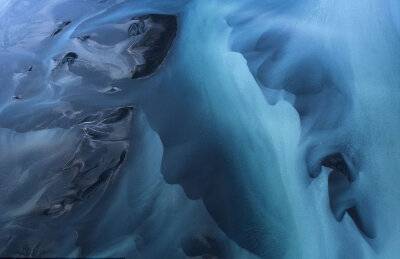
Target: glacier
200 129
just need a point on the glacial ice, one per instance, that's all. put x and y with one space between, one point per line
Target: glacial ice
200 128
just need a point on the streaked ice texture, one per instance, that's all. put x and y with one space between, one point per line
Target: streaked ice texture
269 129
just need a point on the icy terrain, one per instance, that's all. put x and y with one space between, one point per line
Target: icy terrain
200 128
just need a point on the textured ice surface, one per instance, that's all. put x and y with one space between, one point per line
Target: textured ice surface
200 129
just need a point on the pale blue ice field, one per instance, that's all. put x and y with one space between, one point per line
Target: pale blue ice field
270 130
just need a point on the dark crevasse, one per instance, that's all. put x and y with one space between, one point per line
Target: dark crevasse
199 129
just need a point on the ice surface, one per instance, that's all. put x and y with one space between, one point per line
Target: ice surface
200 129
